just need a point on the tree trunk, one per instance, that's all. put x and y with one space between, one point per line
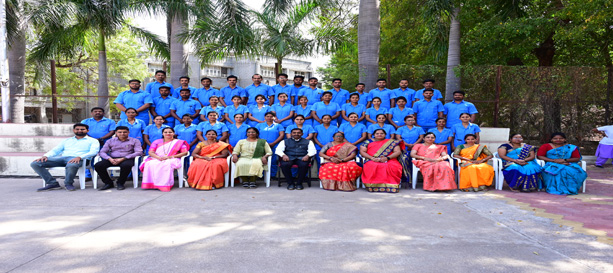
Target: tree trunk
178 65
552 119
369 35
17 70
103 81
453 82
278 67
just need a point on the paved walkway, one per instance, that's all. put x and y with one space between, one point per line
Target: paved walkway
274 230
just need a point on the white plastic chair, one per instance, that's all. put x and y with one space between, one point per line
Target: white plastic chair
226 176
180 170
117 168
80 172
496 163
233 172
416 170
357 160
583 166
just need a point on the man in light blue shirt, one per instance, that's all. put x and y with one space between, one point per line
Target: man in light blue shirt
312 93
458 106
161 106
67 154
364 97
258 88
404 91
339 95
230 91
428 110
204 94
387 96
184 82
134 98
428 84
281 87
153 88
297 88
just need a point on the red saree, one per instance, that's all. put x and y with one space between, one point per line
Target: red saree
378 176
339 176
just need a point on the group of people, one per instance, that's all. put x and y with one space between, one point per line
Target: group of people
392 131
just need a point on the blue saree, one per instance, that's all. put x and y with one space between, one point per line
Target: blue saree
563 179
524 178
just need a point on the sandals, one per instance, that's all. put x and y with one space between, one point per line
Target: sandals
246 185
252 185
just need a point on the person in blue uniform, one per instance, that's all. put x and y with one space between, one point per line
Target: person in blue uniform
258 111
273 133
153 88
428 110
299 122
256 89
365 98
215 107
443 135
227 93
134 98
375 110
136 126
410 133
462 129
185 105
153 132
312 93
324 134
386 95
297 88
238 130
100 128
235 108
454 108
184 84
397 114
187 131
354 132
325 107
353 106
303 108
161 106
212 124
281 87
283 111
204 94
389 129
339 95
404 91
428 84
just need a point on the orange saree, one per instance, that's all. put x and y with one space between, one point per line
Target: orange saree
204 174
339 176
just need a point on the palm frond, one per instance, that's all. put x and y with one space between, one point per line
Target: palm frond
157 47
61 42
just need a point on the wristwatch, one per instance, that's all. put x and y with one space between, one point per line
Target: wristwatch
388 158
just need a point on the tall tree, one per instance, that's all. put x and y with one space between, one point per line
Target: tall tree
369 36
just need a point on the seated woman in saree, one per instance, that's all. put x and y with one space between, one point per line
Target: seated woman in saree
210 163
164 157
475 173
338 169
431 159
562 173
251 157
382 171
521 171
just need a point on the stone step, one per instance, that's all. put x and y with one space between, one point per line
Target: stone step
18 164
29 144
36 129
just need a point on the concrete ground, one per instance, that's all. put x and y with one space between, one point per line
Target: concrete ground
275 230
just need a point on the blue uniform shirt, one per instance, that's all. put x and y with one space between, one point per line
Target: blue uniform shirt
283 112
325 136
398 115
320 109
134 100
153 132
189 106
459 132
177 92
359 109
220 110
454 110
313 95
136 128
408 94
231 111
270 133
98 129
373 113
306 129
442 136
203 95
298 110
162 107
278 89
237 134
296 91
153 88
427 112
353 133
253 91
186 133
258 113
364 98
389 129
419 94
341 96
227 93
410 135
385 95
218 127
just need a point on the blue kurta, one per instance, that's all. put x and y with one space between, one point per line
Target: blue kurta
306 129
410 135
220 110
258 113
353 133
283 112
237 134
442 137
459 132
322 109
372 113
218 127
399 115
359 109
231 111
325 136
136 128
389 129
298 110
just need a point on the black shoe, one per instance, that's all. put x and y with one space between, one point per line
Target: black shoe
69 187
120 187
106 187
50 187
299 187
88 179
599 166
291 187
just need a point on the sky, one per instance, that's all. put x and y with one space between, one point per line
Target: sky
157 25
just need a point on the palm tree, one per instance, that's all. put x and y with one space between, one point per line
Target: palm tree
369 36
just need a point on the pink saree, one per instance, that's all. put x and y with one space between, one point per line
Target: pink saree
159 174
437 175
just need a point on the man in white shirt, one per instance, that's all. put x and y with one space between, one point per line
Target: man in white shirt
605 147
67 154
295 151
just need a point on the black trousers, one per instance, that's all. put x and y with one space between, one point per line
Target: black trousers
286 167
125 169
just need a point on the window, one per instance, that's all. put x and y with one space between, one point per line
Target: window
268 72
